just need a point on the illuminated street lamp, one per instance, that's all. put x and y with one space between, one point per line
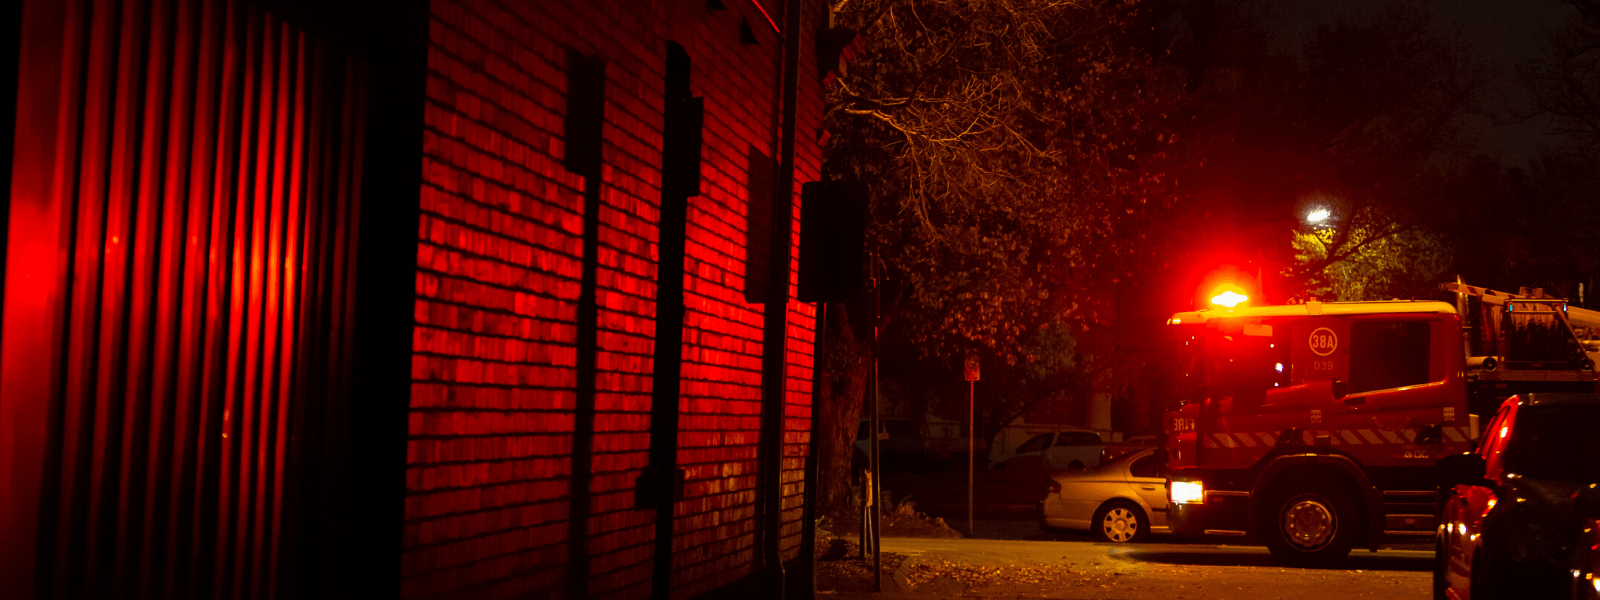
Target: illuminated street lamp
1318 216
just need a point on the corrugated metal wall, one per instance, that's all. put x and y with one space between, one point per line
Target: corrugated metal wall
186 274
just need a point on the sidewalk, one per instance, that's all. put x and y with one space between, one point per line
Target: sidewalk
979 568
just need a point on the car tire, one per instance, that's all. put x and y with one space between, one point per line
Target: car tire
1481 584
1120 522
1309 522
1076 465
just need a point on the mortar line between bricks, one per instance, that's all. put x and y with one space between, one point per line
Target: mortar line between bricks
484 461
447 78
530 292
496 361
462 88
463 436
621 149
502 212
495 183
514 39
499 211
476 333
501 311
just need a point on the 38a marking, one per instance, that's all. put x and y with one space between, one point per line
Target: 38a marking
1323 341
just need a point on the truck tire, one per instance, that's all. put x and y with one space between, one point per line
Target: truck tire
1309 522
1120 522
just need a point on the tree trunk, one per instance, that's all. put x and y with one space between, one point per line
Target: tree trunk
843 374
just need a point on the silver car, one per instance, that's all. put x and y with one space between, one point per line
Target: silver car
1123 500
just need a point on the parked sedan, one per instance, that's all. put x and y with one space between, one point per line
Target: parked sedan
1123 500
1053 451
1510 526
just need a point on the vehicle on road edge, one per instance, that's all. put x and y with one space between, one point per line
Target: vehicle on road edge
1123 500
1511 523
1314 428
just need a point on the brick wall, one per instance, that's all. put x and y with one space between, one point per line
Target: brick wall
498 279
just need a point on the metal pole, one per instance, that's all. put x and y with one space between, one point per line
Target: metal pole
805 584
876 510
972 449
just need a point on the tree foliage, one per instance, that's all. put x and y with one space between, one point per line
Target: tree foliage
1014 147
1377 263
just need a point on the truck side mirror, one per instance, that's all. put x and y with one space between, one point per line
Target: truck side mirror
1461 469
1340 388
1587 503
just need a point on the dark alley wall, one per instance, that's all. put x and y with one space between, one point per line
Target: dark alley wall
500 319
233 224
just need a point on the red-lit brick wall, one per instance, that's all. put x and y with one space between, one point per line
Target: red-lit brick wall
498 278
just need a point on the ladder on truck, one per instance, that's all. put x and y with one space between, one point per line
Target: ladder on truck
1524 342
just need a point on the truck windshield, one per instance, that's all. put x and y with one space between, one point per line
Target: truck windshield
1556 443
1242 367
1245 367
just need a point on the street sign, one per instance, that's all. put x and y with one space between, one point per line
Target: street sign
972 369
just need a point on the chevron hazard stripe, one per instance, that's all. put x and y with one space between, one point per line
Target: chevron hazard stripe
1338 437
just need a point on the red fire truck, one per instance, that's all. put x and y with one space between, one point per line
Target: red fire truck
1314 428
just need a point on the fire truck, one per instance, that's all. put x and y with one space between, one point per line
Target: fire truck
1314 428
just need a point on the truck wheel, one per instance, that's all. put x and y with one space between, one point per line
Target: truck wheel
1120 522
1309 523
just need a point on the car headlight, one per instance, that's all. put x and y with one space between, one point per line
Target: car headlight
1187 492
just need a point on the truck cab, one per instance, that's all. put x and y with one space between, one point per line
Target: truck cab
1315 427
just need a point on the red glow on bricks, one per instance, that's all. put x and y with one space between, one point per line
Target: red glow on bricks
498 274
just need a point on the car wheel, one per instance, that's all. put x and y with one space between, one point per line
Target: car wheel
1309 522
1481 583
1120 522
1076 465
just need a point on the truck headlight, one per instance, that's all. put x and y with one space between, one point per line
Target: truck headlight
1187 492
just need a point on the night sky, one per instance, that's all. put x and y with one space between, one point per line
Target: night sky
1502 34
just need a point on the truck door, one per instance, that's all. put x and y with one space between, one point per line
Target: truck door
1250 372
1394 391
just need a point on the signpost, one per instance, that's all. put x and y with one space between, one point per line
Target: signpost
971 372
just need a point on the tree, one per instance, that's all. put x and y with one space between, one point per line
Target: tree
1376 262
1566 79
1011 146
1016 150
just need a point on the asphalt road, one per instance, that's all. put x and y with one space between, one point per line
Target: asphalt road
991 568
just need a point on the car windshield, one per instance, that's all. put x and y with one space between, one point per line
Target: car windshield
1557 442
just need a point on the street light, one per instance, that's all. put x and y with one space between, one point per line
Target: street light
1318 216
